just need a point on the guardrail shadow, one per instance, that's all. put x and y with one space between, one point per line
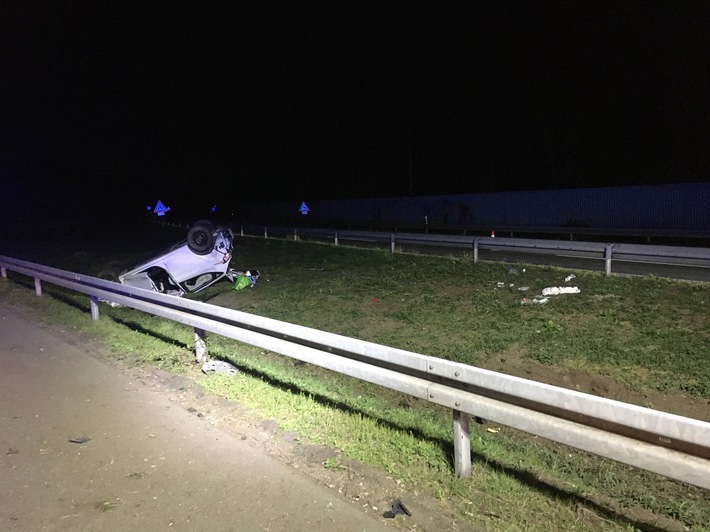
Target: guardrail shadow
548 487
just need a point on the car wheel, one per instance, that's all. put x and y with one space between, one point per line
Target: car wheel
200 237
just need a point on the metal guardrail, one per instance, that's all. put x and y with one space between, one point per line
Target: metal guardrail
571 232
667 444
659 254
673 255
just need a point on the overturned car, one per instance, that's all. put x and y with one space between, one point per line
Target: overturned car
189 266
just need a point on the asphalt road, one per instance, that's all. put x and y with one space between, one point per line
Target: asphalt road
137 460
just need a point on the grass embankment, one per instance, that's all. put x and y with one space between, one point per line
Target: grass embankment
637 337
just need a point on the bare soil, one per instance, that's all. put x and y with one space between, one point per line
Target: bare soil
512 362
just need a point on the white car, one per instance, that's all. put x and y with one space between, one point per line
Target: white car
188 266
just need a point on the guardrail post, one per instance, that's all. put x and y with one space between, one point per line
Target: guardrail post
336 238
241 230
94 303
38 287
392 243
266 234
475 250
3 273
295 234
200 346
607 259
462 444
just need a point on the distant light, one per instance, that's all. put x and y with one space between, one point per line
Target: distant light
149 207
214 208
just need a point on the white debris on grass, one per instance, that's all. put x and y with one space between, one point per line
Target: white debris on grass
219 366
550 291
569 277
557 290
110 303
538 300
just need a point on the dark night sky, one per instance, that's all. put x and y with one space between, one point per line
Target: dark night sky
292 100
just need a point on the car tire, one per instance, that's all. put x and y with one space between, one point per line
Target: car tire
200 237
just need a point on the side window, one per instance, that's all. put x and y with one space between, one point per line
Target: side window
162 280
199 282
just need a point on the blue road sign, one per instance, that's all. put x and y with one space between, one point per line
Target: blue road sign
160 209
304 208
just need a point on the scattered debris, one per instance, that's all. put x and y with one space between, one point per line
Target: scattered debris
397 509
244 279
80 439
524 288
570 277
219 366
549 291
557 290
540 300
110 303
493 430
500 284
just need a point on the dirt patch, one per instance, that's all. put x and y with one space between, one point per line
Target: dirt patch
513 362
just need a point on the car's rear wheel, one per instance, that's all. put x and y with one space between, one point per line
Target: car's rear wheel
200 237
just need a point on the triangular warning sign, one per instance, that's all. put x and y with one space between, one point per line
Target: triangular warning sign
160 209
303 209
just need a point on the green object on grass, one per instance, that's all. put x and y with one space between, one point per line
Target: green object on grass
242 281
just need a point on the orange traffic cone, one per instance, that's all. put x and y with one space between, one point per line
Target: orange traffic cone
493 234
